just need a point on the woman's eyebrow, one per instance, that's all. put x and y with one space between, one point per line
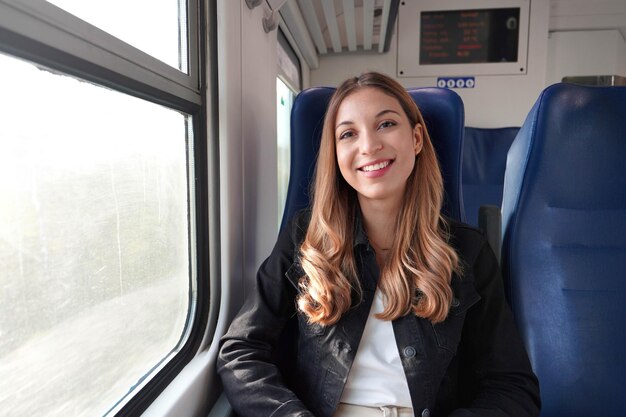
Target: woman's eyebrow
380 113
345 122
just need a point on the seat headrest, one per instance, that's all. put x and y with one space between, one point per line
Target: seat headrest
443 113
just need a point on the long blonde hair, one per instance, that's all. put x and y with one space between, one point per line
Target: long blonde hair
417 276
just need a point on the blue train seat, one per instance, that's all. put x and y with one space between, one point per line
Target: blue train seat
484 160
564 247
443 113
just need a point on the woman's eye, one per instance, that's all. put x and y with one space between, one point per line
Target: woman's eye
345 135
386 123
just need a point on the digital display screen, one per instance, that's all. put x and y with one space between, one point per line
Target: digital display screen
469 36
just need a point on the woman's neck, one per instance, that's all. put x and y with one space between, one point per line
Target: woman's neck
379 220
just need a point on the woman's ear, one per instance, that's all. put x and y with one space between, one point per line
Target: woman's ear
418 138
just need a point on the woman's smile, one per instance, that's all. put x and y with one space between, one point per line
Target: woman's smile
376 169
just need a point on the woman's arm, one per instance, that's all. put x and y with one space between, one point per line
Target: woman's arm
252 381
495 369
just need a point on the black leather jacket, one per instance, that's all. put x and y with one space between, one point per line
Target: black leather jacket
273 363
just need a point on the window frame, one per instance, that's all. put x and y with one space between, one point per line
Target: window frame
42 33
284 43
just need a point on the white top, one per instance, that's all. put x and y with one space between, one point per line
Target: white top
377 378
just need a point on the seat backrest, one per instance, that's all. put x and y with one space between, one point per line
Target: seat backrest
484 160
443 114
564 247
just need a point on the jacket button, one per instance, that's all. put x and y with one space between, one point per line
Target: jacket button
455 302
426 412
409 352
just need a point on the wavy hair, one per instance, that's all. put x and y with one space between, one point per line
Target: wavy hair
417 275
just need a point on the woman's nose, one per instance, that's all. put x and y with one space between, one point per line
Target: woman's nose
370 143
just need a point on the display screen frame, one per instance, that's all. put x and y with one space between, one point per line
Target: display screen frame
409 40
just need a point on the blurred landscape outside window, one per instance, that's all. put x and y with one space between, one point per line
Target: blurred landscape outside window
95 273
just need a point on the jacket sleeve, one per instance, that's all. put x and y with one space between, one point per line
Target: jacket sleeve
496 374
252 381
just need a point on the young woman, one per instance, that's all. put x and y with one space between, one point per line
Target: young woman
372 303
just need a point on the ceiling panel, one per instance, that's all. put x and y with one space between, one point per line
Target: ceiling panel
338 26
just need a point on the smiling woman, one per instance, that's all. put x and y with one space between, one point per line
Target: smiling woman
373 291
407 195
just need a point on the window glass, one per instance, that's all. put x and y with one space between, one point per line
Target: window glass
288 84
158 28
284 101
94 241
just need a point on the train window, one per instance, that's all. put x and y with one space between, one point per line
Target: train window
94 257
288 83
103 179
284 101
163 35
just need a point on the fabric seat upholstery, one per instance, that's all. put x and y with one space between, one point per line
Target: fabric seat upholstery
564 247
484 161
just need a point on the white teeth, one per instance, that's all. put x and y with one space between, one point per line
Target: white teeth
375 167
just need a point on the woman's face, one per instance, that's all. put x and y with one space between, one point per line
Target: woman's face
376 145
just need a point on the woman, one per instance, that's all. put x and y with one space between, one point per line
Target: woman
373 303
